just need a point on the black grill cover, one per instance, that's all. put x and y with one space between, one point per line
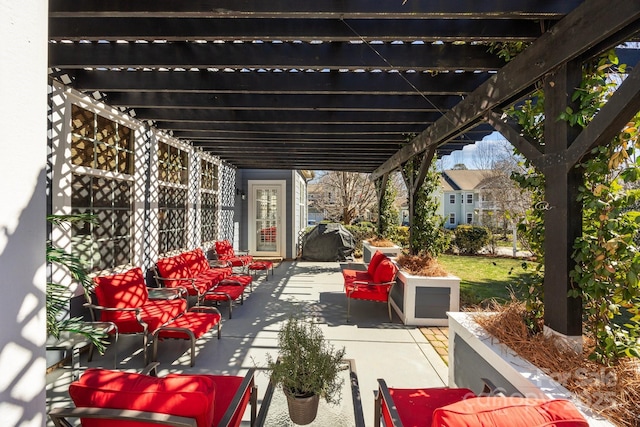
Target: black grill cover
328 242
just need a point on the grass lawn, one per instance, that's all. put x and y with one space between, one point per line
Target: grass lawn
483 278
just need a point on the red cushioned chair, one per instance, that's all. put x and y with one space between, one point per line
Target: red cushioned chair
192 270
372 284
225 252
123 299
458 407
104 398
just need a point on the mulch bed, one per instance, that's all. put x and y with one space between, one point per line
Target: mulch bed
612 391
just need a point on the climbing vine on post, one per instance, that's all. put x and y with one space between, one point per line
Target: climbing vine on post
388 215
607 259
428 236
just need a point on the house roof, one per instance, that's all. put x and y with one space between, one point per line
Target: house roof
325 84
464 179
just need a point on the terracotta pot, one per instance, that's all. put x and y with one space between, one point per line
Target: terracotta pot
302 410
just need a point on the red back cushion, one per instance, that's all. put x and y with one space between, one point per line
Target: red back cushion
122 290
375 260
508 412
224 248
181 395
173 267
196 261
385 272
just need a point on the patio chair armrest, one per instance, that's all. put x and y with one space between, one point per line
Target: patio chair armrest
384 395
219 263
248 384
59 415
171 293
204 309
99 307
151 369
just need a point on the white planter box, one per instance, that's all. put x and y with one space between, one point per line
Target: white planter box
474 354
368 251
425 301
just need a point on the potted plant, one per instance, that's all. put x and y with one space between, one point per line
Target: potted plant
307 368
382 244
424 292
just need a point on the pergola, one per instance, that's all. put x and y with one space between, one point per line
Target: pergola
338 85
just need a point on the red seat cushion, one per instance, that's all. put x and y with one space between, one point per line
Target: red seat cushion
416 405
182 395
122 290
368 292
385 271
509 412
375 260
154 313
351 276
243 279
220 292
198 323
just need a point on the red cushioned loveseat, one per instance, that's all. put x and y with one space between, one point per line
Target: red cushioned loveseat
104 398
371 284
123 299
192 270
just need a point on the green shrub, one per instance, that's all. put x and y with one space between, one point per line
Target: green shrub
360 232
469 239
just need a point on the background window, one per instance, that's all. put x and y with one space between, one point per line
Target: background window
469 218
452 218
452 198
104 149
470 198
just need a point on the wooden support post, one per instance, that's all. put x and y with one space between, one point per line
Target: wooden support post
563 217
381 188
414 181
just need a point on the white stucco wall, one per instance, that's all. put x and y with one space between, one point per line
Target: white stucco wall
23 120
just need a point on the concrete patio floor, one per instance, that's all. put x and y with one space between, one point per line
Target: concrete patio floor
400 354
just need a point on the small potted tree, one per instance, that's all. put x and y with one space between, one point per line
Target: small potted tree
307 368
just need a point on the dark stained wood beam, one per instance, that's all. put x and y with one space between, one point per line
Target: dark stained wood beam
363 9
249 29
262 116
314 102
563 218
203 81
438 57
588 25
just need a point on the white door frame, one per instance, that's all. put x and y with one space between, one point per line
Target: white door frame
282 223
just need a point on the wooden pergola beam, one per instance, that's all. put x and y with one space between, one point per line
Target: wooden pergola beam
589 24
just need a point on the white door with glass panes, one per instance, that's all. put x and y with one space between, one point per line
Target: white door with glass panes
267 218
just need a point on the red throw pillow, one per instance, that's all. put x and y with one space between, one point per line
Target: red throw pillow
122 290
183 395
385 272
375 261
509 412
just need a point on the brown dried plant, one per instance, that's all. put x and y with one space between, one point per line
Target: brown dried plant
613 392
